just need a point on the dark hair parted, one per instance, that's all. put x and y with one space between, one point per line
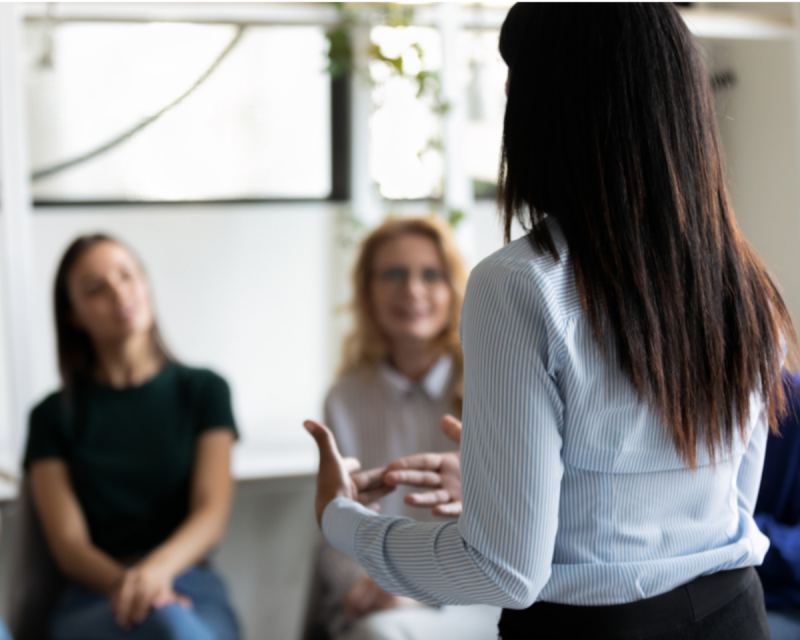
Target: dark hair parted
77 360
610 129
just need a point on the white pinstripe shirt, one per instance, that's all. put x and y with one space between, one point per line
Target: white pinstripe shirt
573 490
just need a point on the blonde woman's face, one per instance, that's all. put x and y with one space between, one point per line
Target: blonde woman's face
109 294
409 289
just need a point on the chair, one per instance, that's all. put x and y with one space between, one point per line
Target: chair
36 581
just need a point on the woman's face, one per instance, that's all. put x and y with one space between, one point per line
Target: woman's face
409 289
109 294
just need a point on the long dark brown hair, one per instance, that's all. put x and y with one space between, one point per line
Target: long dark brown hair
77 360
610 129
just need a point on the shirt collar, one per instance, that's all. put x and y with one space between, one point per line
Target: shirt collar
435 383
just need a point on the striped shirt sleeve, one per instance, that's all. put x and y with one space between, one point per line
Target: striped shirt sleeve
748 478
500 551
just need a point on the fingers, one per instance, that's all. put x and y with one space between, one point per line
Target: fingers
371 497
351 465
370 485
184 601
140 605
165 596
164 599
428 498
368 480
452 428
417 461
132 602
333 480
123 602
449 510
324 439
413 478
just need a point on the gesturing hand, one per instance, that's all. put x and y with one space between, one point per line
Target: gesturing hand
333 479
342 476
439 473
370 484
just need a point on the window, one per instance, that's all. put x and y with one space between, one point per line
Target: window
485 106
187 111
405 127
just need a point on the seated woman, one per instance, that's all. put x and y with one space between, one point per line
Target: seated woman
129 463
777 514
402 372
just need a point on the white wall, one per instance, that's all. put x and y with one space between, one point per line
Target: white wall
7 460
761 135
241 289
255 292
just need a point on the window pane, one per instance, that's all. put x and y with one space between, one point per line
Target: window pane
258 127
486 102
405 128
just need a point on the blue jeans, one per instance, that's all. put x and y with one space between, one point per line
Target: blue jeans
784 624
4 634
84 615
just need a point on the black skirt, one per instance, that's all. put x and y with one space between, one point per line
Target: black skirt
724 606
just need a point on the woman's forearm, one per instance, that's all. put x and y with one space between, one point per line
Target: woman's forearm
212 494
64 526
191 542
89 566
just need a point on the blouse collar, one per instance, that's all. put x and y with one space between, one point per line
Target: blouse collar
435 384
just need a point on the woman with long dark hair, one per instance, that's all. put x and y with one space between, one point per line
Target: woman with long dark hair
622 361
129 463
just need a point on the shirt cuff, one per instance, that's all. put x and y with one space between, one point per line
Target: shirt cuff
340 521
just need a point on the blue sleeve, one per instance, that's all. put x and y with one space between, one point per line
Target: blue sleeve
778 504
784 550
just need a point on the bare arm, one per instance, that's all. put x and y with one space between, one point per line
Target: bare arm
210 505
66 530
149 583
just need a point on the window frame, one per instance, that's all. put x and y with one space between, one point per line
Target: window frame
264 15
343 94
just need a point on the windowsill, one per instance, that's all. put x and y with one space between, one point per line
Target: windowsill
275 457
8 491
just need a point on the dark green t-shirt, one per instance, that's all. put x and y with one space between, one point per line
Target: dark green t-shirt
130 451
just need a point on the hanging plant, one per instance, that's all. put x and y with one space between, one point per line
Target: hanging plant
426 82
340 43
